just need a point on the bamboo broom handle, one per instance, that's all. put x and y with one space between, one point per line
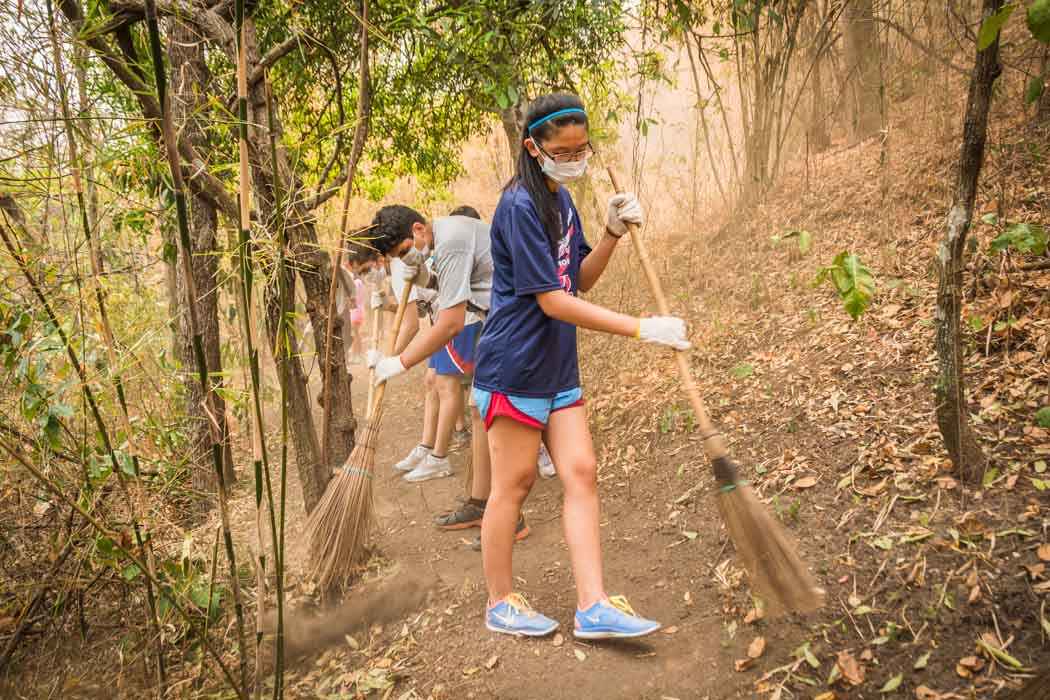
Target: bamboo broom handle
401 306
377 329
714 444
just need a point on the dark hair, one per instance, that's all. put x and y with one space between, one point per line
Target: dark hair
465 210
391 225
529 173
360 251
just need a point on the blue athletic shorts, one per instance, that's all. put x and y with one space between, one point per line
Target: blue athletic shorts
457 357
527 410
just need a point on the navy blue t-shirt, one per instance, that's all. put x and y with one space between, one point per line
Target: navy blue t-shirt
522 351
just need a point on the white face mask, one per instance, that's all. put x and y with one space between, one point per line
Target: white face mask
415 256
563 172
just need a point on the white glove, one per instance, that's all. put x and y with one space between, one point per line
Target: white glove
388 367
378 299
623 209
372 358
664 330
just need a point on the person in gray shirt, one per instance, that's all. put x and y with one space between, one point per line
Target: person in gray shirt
461 273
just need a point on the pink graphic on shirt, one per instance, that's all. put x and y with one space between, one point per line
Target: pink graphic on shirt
565 257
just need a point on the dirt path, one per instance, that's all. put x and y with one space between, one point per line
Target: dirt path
663 556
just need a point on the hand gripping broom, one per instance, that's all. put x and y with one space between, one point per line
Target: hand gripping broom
338 528
778 575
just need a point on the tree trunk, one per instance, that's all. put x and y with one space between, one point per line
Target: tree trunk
819 139
189 85
1042 108
312 263
513 120
862 68
953 417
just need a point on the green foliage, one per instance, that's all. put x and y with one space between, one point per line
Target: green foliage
1042 417
1022 237
1038 18
804 238
991 27
742 370
854 282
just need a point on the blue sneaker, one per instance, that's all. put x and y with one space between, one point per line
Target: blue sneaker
612 618
514 615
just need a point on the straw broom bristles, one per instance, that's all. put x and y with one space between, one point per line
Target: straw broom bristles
338 529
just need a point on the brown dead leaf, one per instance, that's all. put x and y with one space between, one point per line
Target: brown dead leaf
757 647
975 594
753 615
385 662
558 640
1043 552
491 663
968 665
850 669
742 664
924 693
1035 570
830 695
867 655
673 629
805 482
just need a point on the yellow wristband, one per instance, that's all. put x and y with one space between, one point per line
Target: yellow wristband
638 333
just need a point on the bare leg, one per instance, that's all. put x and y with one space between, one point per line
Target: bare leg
481 481
514 448
569 442
430 408
450 399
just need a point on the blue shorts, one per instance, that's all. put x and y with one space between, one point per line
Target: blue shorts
527 410
457 357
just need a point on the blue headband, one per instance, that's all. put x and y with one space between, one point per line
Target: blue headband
552 115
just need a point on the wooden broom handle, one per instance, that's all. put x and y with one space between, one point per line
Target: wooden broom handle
714 444
401 306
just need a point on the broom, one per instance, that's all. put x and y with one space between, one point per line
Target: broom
769 555
338 528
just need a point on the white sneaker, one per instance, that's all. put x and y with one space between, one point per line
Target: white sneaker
413 460
544 463
431 468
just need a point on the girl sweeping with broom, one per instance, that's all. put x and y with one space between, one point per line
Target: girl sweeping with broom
527 383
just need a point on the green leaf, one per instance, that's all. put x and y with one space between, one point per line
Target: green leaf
922 661
884 543
989 477
1042 417
991 219
976 323
1034 91
742 370
892 684
1039 20
805 241
991 26
863 610
131 572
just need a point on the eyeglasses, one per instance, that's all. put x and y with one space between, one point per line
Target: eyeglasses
582 154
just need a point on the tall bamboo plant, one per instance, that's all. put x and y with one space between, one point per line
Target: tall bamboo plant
76 167
186 259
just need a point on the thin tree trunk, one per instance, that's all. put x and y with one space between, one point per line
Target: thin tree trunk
189 85
819 138
513 119
862 67
953 417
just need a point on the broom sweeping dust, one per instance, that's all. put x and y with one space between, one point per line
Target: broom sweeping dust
778 576
338 528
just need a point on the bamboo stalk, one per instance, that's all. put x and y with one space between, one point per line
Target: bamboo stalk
186 257
277 529
107 334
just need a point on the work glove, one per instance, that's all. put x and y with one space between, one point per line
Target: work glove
415 269
387 367
378 300
372 358
623 209
664 330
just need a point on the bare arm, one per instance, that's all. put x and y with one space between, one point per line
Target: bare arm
562 306
594 264
449 323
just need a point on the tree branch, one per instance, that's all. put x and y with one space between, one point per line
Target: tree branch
921 46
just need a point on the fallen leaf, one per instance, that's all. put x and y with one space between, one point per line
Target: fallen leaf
975 593
580 656
385 662
1043 552
892 684
757 647
852 671
753 615
922 661
854 600
491 663
924 693
805 482
867 655
473 670
830 695
558 640
1035 570
673 629
742 664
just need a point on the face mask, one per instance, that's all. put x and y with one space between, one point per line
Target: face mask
415 256
563 172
